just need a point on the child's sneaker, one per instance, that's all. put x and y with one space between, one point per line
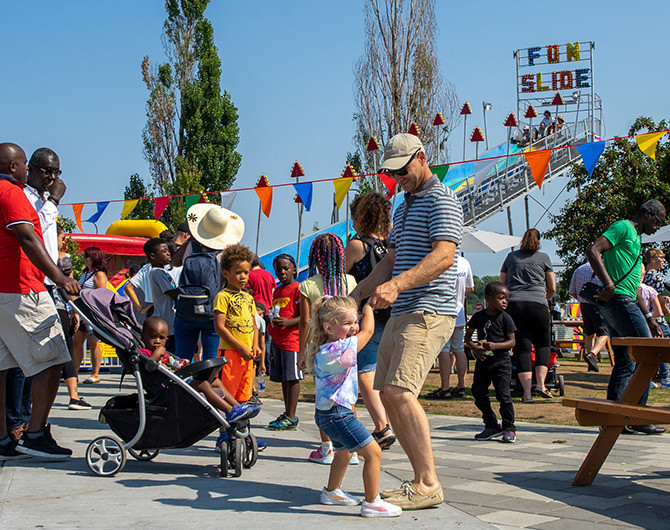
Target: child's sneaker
508 437
284 423
320 457
42 445
354 460
261 445
223 438
379 508
239 412
665 383
489 434
339 498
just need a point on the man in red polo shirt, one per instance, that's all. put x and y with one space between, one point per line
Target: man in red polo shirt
31 336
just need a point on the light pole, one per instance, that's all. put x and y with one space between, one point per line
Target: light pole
486 106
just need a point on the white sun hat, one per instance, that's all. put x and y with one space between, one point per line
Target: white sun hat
214 226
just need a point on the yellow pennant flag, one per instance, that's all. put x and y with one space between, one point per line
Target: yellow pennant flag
647 143
128 206
341 189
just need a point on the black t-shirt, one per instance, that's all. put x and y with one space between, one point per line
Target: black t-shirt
492 328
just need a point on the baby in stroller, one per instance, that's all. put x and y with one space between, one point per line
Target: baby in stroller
154 336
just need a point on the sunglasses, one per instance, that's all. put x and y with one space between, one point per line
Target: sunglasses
659 221
46 171
403 170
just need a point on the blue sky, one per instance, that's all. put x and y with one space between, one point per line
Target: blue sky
73 83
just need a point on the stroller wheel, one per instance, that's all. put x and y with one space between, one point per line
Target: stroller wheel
250 451
224 459
238 457
105 456
561 385
144 454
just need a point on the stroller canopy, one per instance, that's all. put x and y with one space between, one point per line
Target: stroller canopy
113 314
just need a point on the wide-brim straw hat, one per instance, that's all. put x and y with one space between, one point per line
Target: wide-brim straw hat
214 226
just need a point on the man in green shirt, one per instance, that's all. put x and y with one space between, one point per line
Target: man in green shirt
615 258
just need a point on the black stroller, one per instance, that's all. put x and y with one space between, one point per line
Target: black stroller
166 412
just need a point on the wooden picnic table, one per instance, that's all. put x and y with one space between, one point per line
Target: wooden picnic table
648 353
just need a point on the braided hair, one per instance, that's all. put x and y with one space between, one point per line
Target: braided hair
326 257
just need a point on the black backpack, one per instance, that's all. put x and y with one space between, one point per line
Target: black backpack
199 284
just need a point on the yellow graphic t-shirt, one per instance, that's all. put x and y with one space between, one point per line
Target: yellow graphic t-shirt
239 309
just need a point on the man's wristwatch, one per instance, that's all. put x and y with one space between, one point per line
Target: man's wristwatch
54 200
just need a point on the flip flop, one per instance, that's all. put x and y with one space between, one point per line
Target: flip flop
91 381
544 393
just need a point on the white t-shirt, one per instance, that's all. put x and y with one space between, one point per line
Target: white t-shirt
141 281
463 281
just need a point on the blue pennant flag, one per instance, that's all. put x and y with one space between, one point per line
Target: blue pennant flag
304 191
591 154
101 208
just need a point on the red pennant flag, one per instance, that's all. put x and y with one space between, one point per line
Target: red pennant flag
511 121
389 183
558 100
538 161
531 112
160 203
413 129
439 119
349 172
477 135
297 170
76 209
467 109
203 198
372 144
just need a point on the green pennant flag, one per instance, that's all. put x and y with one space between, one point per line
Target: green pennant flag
440 171
191 200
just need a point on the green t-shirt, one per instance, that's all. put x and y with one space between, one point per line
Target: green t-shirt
621 257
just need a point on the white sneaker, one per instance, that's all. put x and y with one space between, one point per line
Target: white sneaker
354 460
380 508
665 383
652 385
339 498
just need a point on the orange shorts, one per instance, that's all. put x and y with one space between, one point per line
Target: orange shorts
238 375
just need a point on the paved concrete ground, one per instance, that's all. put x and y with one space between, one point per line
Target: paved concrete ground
487 484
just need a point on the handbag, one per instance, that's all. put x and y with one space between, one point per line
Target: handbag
591 291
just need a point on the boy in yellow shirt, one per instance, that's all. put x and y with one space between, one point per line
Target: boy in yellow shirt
234 312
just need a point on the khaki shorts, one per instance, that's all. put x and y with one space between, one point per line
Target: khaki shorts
409 347
31 336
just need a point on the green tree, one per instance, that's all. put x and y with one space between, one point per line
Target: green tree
623 179
477 295
136 189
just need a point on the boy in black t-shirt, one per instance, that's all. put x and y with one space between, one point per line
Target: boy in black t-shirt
495 339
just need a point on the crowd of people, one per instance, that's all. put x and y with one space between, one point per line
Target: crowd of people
372 317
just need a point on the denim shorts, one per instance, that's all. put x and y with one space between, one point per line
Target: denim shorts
343 428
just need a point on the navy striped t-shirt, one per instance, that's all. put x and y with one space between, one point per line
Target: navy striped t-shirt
434 214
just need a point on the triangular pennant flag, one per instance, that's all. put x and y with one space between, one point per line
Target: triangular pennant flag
413 129
388 182
647 143
538 161
558 100
591 154
101 208
440 171
482 168
227 199
477 135
160 203
76 209
304 191
439 119
372 144
467 109
341 189
190 200
297 171
128 206
265 196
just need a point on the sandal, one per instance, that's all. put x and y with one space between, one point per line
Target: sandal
543 393
91 381
438 394
385 438
457 393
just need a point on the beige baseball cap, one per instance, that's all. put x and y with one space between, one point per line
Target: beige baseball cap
399 150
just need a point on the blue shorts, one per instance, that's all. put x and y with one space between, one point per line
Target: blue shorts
367 357
343 428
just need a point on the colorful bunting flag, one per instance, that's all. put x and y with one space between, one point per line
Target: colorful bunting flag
264 192
128 206
227 199
538 161
341 186
304 191
76 209
190 200
591 154
482 168
440 171
101 208
160 203
647 143
389 183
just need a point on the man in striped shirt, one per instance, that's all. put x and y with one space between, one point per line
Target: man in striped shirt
417 278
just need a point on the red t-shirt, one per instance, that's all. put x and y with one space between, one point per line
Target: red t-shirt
288 299
262 283
19 274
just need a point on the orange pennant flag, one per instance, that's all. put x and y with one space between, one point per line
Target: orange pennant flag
538 161
647 143
77 208
265 195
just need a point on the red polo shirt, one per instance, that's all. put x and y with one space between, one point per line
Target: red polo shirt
17 273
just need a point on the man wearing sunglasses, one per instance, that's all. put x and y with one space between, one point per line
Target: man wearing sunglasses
417 278
616 260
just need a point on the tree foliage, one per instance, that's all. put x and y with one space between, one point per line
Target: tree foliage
477 295
397 79
136 189
623 179
191 132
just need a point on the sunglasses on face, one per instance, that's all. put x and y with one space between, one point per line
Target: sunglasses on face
49 171
659 221
403 170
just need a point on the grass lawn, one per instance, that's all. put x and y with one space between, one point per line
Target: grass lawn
578 384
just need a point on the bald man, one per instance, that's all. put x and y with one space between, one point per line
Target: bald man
31 336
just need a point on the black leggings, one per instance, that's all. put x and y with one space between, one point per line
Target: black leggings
68 368
533 328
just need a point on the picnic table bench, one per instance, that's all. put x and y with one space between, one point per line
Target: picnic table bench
648 353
